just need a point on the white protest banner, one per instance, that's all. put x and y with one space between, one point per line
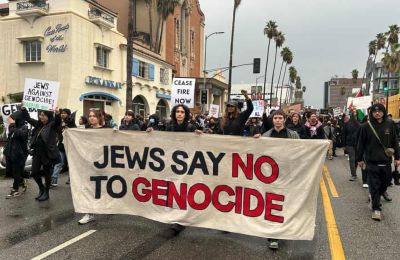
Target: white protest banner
362 102
337 112
182 92
41 94
8 109
236 184
214 111
258 108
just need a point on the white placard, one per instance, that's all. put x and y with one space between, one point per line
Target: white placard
337 111
8 109
41 94
258 108
214 111
183 90
362 102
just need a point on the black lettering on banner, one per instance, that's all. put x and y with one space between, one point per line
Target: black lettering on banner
198 162
216 161
153 155
178 161
110 190
136 158
105 156
115 156
98 180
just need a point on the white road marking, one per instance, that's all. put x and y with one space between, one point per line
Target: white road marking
63 245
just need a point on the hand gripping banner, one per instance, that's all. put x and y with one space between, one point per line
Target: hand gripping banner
263 187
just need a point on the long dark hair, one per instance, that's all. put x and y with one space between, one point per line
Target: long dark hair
187 113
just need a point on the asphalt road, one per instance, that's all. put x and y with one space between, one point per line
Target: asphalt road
29 229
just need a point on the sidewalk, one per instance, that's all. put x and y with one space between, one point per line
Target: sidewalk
23 217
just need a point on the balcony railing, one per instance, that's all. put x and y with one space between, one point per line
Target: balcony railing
96 13
28 5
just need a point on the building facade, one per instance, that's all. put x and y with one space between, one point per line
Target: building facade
74 42
339 89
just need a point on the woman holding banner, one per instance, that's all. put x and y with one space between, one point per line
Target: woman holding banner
233 121
44 147
96 121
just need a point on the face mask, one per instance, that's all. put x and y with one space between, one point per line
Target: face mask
151 120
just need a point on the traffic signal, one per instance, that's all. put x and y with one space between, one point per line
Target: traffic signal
385 86
204 96
256 65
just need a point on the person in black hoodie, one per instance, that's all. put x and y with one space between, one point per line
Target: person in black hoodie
128 122
350 137
233 121
44 145
296 125
377 162
16 150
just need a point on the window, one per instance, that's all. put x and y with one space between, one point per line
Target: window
102 56
33 50
192 46
164 79
143 70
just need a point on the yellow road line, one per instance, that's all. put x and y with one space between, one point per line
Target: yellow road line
330 182
335 244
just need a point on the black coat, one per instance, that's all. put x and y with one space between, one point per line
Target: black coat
130 126
350 133
235 126
299 128
186 127
17 141
44 138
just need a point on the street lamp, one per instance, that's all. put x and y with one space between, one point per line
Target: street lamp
205 59
258 79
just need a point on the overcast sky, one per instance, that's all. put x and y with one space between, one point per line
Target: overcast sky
327 37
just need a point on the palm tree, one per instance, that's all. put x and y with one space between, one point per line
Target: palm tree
391 61
292 80
271 30
236 5
149 4
164 9
129 54
393 40
284 53
354 75
279 40
381 44
288 58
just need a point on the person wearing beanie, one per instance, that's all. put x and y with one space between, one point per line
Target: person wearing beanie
16 151
44 146
372 154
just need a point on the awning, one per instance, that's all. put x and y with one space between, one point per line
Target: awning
103 94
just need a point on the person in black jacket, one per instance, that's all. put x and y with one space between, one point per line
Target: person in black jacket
314 128
233 121
44 145
350 137
180 117
128 122
370 153
16 151
297 126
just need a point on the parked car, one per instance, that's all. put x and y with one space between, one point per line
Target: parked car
28 162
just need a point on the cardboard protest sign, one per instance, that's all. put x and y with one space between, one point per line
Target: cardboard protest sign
41 94
258 108
362 102
214 111
182 92
210 181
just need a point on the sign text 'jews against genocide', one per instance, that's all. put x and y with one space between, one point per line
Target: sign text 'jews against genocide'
41 94
210 181
183 92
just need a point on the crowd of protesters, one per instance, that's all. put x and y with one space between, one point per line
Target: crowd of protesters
354 134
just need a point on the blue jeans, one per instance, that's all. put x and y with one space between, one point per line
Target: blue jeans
59 166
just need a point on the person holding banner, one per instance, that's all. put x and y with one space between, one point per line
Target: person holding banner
279 130
96 121
296 125
233 121
128 122
44 146
16 151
